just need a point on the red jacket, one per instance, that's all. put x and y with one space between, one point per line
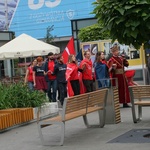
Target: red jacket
72 71
87 73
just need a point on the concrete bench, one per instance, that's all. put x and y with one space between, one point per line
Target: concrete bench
140 96
74 107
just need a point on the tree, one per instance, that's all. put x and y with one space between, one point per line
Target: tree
92 33
127 20
49 37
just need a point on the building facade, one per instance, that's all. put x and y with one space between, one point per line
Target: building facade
33 17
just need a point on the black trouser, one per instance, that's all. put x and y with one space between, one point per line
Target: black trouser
88 85
75 86
63 91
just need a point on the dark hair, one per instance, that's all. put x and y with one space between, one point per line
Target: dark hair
59 56
32 62
50 54
97 57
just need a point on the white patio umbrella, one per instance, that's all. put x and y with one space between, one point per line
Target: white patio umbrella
26 46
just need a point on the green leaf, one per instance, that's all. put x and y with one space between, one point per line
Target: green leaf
121 11
135 23
120 20
129 6
134 33
142 2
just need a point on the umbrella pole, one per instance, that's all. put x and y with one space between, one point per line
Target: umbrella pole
25 64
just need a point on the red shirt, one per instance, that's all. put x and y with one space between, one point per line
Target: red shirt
30 75
51 65
87 73
72 70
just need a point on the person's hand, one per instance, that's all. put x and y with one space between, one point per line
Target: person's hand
34 84
25 83
84 66
114 66
49 72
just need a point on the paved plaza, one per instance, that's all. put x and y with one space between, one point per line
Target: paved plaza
77 136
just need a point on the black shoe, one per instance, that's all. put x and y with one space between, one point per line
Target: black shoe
125 105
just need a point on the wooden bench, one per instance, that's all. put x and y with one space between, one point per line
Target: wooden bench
140 96
77 106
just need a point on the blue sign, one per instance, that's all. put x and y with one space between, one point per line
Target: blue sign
34 16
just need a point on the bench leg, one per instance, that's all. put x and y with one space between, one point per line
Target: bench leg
86 121
139 112
101 115
133 109
62 124
134 113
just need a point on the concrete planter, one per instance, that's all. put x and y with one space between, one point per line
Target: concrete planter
46 109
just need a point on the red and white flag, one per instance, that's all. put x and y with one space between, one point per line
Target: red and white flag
68 50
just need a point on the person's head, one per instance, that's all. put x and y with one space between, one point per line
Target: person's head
99 56
34 62
60 59
50 56
115 50
87 54
39 60
55 55
71 59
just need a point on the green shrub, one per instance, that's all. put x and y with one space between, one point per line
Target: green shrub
18 96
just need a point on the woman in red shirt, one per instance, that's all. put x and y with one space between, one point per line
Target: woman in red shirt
29 75
72 75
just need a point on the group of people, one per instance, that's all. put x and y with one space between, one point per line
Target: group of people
53 75
113 72
47 76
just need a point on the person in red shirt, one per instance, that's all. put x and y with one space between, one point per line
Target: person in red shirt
51 78
72 76
86 66
29 75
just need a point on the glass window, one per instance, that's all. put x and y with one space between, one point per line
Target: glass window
84 23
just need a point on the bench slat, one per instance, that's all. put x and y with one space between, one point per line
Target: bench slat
142 103
76 103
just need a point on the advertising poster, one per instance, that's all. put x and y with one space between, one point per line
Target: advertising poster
128 51
7 11
91 47
136 58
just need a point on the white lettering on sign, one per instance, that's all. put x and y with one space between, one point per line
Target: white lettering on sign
48 3
43 17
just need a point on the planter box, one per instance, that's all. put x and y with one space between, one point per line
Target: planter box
14 116
46 109
5 120
26 114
